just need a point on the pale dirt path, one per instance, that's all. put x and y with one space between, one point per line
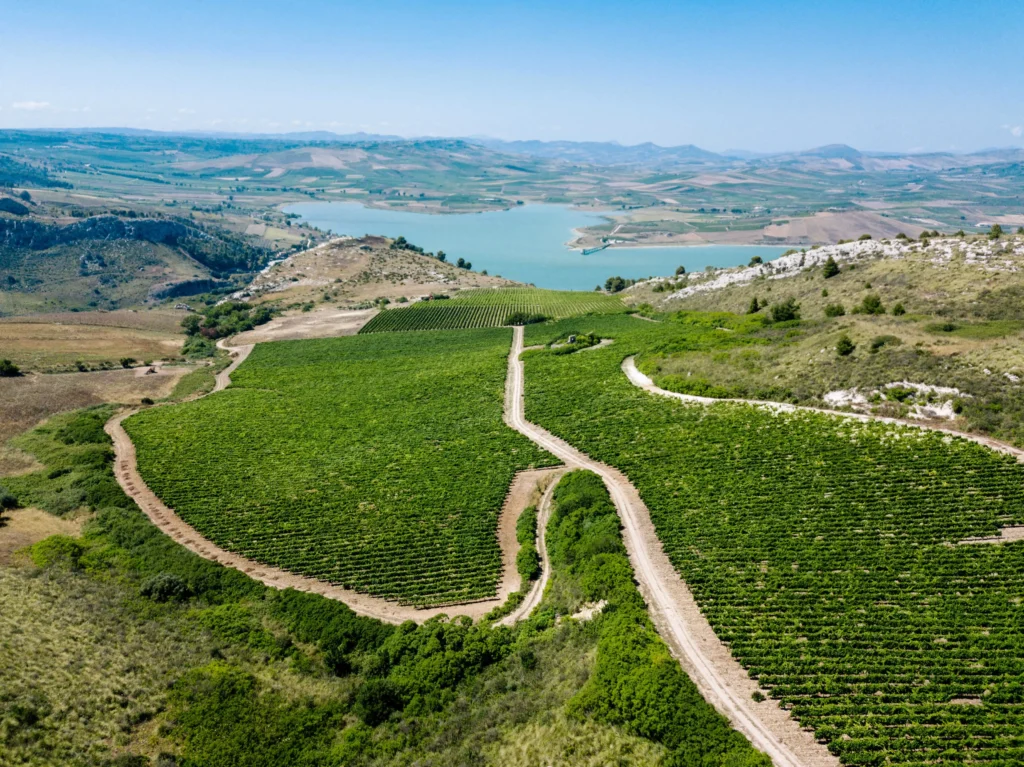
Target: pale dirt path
524 488
721 679
644 382
537 590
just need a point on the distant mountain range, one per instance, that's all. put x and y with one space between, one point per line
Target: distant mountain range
647 155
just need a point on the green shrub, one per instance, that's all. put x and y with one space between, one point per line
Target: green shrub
8 369
898 310
57 551
8 500
830 269
835 310
879 341
786 311
163 587
528 562
86 428
871 304
524 318
845 346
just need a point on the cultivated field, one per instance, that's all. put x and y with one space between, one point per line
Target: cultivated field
492 308
825 552
379 463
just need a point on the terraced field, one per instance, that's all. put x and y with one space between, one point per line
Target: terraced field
379 463
826 552
489 308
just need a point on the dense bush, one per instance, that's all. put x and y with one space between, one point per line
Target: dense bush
163 587
8 369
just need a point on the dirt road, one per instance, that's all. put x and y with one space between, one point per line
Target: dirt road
644 382
537 590
720 678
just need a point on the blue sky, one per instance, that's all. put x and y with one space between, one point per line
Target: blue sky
766 76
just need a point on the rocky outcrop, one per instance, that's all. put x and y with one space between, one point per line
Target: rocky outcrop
38 236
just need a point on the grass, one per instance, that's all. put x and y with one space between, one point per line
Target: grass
29 400
378 462
44 347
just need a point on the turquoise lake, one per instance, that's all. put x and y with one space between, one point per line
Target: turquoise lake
525 244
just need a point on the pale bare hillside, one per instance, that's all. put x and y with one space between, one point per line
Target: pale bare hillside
352 272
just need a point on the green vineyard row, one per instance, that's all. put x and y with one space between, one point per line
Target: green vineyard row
823 551
491 308
379 463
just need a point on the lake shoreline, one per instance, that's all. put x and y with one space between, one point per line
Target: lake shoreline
537 244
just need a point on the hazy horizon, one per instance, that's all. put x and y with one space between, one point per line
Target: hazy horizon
880 77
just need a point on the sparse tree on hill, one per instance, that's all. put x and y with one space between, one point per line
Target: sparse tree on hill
786 311
754 307
995 232
835 310
844 346
680 270
8 369
755 261
831 268
614 284
898 310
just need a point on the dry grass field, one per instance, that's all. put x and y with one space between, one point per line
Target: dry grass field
31 399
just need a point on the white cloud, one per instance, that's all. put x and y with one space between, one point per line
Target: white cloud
186 111
1017 130
31 106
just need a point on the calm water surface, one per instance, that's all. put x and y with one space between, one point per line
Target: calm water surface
526 244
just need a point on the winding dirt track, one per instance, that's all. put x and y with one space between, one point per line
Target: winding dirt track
720 678
537 590
524 487
644 382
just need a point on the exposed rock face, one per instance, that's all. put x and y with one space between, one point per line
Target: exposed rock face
38 236
186 288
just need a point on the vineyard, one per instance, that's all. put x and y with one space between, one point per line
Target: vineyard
488 308
823 551
379 463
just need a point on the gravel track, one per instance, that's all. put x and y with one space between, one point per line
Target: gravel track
644 382
721 679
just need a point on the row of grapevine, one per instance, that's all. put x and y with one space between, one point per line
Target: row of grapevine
823 551
379 463
491 308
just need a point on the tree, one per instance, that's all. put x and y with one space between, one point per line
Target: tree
755 261
754 307
190 323
898 310
1020 230
614 284
680 270
441 256
995 232
25 196
824 292
786 311
844 346
8 369
831 268
864 237
871 304
127 362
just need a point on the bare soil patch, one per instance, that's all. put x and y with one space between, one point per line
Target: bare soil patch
29 400
41 346
325 322
23 527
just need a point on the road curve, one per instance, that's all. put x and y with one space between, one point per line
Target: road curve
537 590
721 679
128 477
644 382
